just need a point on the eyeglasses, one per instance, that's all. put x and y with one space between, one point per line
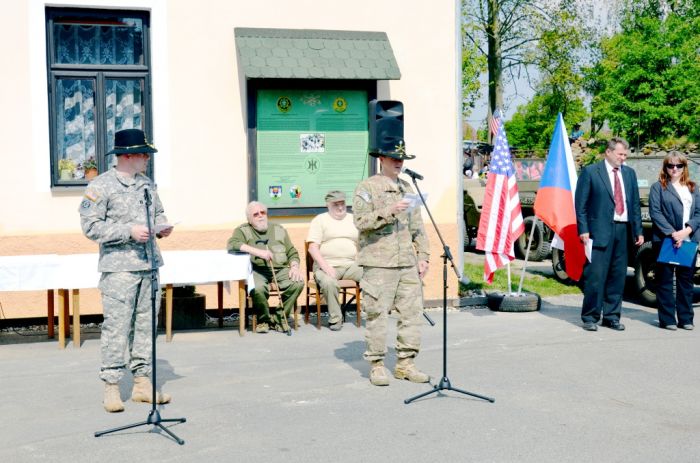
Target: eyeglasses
677 166
260 214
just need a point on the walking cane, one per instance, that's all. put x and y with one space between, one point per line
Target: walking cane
280 303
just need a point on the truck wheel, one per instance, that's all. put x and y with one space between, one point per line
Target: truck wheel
559 267
645 274
539 248
525 302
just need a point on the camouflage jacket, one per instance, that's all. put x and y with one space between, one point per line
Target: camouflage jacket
387 240
283 251
112 204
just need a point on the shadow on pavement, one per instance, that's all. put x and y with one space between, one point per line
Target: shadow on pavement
351 353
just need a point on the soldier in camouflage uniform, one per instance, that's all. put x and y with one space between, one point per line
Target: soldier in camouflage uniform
268 244
112 213
394 256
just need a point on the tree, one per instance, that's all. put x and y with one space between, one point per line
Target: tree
522 35
503 25
473 65
646 83
532 125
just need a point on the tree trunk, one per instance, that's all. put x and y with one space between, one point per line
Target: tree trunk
494 63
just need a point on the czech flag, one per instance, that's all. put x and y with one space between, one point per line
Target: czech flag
554 203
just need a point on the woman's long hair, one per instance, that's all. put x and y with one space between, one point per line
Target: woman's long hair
665 179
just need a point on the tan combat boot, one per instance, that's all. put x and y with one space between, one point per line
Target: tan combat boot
112 400
378 375
262 328
406 369
143 391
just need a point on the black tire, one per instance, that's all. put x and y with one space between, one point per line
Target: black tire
539 247
469 237
645 274
559 267
525 302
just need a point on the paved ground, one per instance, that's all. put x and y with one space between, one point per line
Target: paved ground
562 395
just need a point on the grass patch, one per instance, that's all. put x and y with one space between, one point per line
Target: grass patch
542 285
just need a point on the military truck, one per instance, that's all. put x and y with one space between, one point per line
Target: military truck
641 259
528 172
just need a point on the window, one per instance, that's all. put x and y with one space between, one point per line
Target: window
99 83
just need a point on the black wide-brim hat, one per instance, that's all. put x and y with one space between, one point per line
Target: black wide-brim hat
131 141
392 149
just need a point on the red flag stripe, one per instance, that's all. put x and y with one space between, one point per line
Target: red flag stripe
493 125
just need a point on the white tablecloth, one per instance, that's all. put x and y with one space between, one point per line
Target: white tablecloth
28 273
78 271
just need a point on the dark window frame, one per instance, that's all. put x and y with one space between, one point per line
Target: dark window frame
252 87
99 74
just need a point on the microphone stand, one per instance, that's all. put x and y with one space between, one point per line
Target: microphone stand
444 383
154 416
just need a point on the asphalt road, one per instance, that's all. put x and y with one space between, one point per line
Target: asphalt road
562 395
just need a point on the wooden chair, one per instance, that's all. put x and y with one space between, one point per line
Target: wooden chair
312 290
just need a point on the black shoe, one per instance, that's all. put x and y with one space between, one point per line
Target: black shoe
614 325
590 326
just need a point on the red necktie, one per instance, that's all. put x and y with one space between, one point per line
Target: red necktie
617 193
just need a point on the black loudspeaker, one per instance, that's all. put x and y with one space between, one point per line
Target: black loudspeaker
385 125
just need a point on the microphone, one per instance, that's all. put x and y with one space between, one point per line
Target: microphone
412 174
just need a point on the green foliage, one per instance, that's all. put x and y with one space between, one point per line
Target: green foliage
90 163
473 65
66 164
532 125
540 284
588 157
646 83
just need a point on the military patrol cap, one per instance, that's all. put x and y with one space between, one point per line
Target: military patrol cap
131 141
335 195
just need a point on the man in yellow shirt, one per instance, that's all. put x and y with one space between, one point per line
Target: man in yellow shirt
333 246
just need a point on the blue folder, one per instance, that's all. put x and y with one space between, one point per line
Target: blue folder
683 256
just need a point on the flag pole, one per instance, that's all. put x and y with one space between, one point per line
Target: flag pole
510 289
527 254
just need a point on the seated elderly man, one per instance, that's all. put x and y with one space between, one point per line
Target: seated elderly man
269 247
333 245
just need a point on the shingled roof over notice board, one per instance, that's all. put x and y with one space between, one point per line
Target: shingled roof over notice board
315 54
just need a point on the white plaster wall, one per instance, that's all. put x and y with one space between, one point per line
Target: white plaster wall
199 113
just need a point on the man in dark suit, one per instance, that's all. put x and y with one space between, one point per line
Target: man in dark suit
608 213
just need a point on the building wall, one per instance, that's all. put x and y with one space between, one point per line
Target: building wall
199 120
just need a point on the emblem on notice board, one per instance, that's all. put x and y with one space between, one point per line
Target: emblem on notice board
275 191
340 104
284 104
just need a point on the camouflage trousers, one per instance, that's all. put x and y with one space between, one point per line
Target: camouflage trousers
126 330
386 288
290 292
329 287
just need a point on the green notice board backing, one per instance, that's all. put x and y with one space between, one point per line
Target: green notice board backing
309 142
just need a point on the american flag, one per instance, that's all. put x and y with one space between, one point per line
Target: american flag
495 122
501 220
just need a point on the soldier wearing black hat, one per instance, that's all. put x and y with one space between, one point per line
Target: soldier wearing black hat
394 256
112 213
